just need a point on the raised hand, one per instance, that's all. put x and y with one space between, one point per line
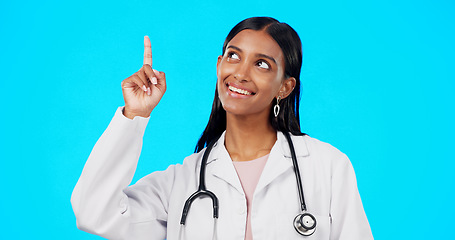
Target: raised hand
143 90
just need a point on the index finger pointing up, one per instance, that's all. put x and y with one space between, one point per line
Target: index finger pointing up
147 51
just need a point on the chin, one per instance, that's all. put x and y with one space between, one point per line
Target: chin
233 109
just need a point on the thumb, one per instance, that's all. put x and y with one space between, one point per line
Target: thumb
161 77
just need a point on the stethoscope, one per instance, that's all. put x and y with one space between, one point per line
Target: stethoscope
304 223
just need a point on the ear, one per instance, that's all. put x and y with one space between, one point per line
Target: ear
287 87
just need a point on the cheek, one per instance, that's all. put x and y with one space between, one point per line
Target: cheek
222 73
220 77
271 84
225 69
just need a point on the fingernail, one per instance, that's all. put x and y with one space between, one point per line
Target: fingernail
154 80
144 88
156 72
149 92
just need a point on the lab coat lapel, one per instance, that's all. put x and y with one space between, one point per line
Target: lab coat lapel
220 165
280 159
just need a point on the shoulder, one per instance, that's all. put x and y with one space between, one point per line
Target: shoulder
193 160
323 152
164 182
190 164
318 147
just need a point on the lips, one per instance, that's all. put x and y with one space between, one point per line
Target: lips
239 90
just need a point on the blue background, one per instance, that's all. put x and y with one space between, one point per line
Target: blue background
377 83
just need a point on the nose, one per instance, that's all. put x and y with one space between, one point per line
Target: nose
242 72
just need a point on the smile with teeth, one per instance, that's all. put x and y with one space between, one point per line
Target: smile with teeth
241 91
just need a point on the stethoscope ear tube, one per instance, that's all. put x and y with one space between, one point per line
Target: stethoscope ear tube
202 190
195 195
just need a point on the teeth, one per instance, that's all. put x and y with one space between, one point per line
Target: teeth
241 91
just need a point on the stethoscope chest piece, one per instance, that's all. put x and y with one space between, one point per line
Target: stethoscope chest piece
305 224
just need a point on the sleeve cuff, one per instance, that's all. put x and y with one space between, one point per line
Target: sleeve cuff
138 123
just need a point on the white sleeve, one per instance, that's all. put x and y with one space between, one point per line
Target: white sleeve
349 221
100 200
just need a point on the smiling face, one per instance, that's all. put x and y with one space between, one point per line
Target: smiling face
251 74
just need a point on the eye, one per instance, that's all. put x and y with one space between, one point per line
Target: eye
233 55
263 65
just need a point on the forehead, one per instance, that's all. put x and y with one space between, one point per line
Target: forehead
257 42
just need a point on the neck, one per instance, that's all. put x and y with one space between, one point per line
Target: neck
249 137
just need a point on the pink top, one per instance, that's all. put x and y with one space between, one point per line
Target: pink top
249 173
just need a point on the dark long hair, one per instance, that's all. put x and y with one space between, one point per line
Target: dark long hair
288 120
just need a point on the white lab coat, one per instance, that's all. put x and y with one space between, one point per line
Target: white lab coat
151 209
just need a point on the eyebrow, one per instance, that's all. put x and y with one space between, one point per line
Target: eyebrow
257 55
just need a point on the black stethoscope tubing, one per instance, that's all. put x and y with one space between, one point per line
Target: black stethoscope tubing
304 223
297 171
202 190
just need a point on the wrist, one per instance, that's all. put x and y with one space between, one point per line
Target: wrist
132 114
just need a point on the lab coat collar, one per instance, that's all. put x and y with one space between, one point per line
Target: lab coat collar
279 161
300 147
220 164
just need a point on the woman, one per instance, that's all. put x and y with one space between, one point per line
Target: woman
249 166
